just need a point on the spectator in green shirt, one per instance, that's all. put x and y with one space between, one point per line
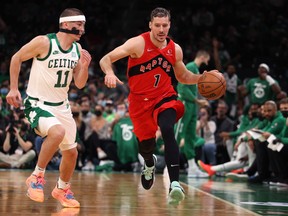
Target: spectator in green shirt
262 88
274 125
279 155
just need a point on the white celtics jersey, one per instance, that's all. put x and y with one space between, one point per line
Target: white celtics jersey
51 76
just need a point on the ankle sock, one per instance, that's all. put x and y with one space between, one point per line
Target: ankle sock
38 170
61 184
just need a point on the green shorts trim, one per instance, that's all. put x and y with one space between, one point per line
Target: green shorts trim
33 113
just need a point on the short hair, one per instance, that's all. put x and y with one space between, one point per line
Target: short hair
284 101
202 53
222 102
271 103
160 12
71 12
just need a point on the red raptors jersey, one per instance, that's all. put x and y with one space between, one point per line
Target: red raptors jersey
152 74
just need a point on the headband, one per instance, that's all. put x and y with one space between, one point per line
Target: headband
72 18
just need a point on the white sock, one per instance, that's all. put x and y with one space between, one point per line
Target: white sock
38 170
61 184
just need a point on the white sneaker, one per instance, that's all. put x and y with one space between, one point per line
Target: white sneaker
237 177
148 175
89 166
176 193
103 162
197 173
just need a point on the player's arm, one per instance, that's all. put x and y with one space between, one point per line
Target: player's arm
131 47
37 47
182 74
80 74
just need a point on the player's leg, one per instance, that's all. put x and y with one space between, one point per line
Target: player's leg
50 145
42 119
62 191
145 130
231 165
54 132
146 149
166 121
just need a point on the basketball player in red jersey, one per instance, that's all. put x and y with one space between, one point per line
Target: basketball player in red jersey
155 64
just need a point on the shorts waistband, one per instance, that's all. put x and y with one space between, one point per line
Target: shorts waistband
47 102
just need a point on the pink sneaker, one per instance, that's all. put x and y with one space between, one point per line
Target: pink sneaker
35 187
65 197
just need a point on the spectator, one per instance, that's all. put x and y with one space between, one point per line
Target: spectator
17 149
206 128
248 121
109 111
231 96
224 148
262 88
243 152
274 124
278 149
126 141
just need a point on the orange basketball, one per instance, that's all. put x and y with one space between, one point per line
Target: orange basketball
212 85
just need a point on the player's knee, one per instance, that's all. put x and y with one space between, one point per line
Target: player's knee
57 133
70 154
147 147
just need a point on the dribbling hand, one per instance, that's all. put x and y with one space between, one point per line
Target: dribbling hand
111 80
14 98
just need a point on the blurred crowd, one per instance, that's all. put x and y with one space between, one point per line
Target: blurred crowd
240 37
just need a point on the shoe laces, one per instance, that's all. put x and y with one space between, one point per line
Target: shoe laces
40 181
68 193
148 172
175 185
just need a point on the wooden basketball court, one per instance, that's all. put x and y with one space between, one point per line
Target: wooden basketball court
110 194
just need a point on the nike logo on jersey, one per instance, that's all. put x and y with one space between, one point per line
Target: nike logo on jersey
55 52
174 165
149 50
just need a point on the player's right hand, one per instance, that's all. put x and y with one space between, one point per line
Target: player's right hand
111 80
14 98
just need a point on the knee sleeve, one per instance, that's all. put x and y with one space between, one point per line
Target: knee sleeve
146 148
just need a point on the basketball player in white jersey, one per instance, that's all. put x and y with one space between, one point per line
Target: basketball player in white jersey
57 59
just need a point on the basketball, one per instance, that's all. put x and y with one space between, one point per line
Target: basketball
212 85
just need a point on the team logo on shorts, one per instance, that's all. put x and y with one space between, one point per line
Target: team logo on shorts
32 116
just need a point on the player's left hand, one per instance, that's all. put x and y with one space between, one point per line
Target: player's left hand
111 80
85 58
